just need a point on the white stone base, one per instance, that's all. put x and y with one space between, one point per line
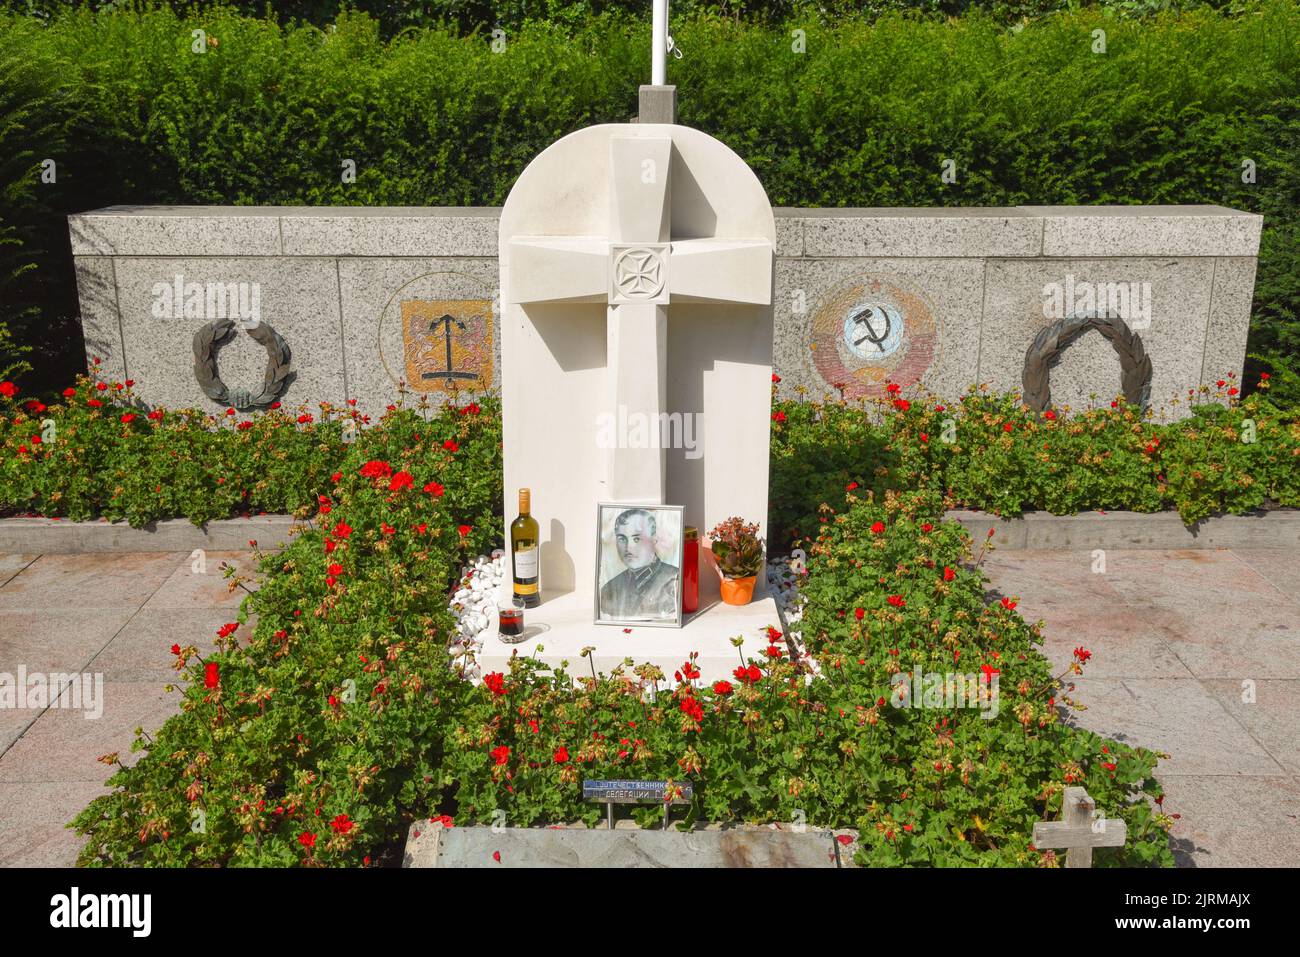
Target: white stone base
568 618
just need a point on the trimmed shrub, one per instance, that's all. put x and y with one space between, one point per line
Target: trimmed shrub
863 117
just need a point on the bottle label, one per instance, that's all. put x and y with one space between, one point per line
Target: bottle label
526 563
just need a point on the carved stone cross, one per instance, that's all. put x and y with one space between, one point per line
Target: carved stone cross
639 268
1080 831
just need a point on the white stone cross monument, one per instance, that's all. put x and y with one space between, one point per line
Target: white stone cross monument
636 285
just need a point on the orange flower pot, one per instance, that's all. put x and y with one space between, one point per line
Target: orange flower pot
738 591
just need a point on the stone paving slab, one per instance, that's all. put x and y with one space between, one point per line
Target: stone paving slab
1234 821
84 581
11 565
1268 710
63 745
141 651
32 829
568 847
1278 565
56 639
202 584
1177 716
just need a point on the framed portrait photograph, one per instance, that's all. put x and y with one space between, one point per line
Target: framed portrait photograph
639 564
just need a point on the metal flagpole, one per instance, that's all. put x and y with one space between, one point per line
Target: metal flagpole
659 48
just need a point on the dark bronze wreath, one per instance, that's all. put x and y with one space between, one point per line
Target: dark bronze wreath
218 331
1134 363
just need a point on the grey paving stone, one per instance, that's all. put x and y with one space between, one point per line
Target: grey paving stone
62 745
56 638
88 581
1279 566
32 831
1174 715
202 584
1233 821
12 564
1270 718
567 847
141 651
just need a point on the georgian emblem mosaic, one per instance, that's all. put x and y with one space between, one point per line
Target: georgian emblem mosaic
869 331
447 342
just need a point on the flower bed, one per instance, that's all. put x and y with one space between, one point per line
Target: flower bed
317 736
988 452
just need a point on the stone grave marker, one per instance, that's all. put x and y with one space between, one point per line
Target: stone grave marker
636 276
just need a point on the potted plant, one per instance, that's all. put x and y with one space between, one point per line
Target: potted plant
739 552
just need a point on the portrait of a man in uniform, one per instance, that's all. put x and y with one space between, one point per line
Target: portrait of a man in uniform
639 573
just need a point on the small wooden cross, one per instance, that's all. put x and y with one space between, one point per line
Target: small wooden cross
1079 831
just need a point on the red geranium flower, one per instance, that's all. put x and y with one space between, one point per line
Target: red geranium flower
691 707
342 824
1083 654
376 468
778 416
501 754
464 530
561 755
342 530
877 528
496 682
400 481
859 613
211 675
948 574
1008 604
897 601
307 839
722 688
749 674
434 489
451 446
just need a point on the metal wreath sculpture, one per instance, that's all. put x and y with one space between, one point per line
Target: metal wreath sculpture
218 331
1134 363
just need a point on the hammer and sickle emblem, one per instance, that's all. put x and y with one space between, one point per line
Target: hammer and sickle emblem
865 331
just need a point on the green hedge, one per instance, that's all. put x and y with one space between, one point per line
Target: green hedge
864 117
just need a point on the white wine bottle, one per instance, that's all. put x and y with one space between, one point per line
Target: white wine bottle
525 553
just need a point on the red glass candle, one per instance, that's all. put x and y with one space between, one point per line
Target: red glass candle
511 619
690 569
